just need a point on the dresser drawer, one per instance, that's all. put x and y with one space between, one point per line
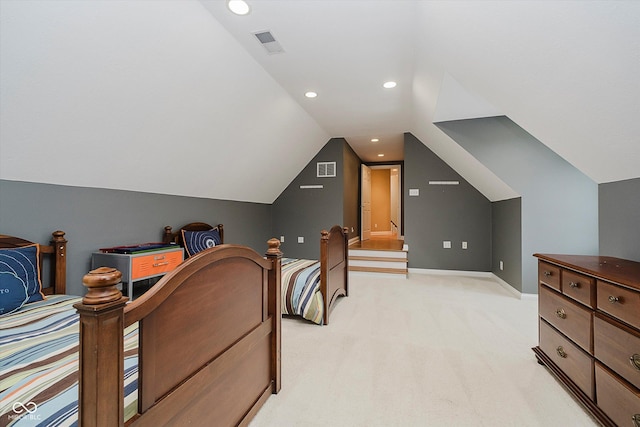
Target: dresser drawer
579 287
574 362
567 316
619 400
549 274
619 302
618 347
153 264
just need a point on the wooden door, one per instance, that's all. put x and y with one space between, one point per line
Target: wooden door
365 206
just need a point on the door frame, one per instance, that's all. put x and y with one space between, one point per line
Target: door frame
398 188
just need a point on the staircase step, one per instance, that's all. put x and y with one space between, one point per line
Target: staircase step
379 262
377 253
376 258
398 271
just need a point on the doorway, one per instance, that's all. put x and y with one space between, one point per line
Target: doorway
381 202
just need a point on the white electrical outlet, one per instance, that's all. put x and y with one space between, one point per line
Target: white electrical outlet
501 265
446 244
300 239
464 245
282 239
414 191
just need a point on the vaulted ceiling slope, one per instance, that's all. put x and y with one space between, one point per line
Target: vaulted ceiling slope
151 96
179 97
565 71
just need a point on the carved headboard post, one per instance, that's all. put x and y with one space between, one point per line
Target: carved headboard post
59 244
101 358
167 236
221 232
275 311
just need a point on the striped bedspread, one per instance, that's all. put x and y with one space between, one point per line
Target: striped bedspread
39 365
301 294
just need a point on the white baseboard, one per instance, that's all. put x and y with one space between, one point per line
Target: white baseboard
450 272
507 286
354 240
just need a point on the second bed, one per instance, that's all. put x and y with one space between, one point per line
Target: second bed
310 288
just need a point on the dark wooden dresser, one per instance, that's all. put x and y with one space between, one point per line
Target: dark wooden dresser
589 336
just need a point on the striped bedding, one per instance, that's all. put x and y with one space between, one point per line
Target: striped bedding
301 294
39 365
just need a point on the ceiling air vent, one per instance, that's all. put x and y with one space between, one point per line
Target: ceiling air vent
269 42
326 169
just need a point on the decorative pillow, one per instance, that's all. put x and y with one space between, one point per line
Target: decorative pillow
23 263
13 293
196 241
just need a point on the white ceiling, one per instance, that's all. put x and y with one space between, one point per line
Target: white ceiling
178 97
568 72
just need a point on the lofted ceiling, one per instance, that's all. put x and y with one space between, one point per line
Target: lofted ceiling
179 97
565 71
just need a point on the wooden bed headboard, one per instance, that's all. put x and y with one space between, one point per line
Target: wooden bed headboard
56 252
169 236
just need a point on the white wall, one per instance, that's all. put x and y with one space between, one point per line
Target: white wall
151 96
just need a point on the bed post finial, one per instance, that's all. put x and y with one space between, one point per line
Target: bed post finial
167 235
274 247
102 286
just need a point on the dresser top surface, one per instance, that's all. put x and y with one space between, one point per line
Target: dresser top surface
617 270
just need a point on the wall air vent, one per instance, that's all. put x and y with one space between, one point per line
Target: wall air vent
269 42
326 169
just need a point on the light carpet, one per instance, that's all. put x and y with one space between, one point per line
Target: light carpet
432 350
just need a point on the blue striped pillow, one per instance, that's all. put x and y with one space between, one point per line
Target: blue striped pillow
23 263
196 241
13 293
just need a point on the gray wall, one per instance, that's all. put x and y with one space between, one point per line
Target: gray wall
619 210
506 241
456 213
559 203
93 218
305 212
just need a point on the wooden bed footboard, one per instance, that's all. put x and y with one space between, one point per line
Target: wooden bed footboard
209 349
334 261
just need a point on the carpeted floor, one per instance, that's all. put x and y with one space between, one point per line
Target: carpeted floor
432 350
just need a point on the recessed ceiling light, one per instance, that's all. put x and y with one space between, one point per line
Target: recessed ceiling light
310 94
380 155
389 85
239 7
374 140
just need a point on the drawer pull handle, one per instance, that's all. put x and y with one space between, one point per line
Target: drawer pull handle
574 284
635 361
561 352
160 264
561 313
547 273
613 299
157 258
636 420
